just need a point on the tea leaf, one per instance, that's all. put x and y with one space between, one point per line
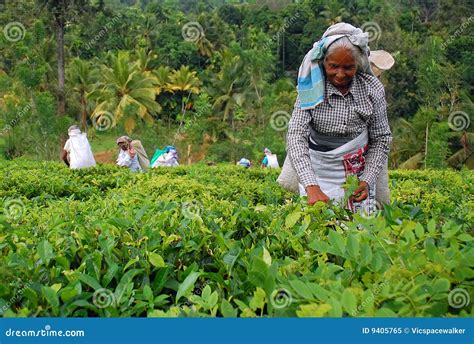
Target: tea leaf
188 284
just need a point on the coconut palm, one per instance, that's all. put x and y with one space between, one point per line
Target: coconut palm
147 61
126 92
162 76
230 86
82 76
184 80
334 12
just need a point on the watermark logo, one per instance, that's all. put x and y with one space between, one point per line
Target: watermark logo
279 120
459 120
373 29
103 298
376 291
457 33
192 32
14 31
13 209
280 298
103 121
191 209
458 298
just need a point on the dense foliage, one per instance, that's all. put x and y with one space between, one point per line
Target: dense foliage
224 69
225 241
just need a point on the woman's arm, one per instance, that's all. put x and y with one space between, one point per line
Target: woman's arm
65 152
380 138
298 151
64 157
297 147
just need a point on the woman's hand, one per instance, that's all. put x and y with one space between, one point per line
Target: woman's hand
315 194
361 193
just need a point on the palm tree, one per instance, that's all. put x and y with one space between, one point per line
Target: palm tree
334 12
204 46
184 82
82 76
146 61
126 92
408 142
162 76
230 86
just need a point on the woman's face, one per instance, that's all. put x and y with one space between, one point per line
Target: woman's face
340 68
123 146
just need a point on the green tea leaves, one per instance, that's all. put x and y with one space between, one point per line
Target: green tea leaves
187 286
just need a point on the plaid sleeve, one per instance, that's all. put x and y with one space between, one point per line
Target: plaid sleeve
380 138
297 147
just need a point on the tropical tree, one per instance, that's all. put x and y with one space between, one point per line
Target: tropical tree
62 12
184 82
82 76
147 61
162 77
259 65
204 46
334 12
230 85
126 93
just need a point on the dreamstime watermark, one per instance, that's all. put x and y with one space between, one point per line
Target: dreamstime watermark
46 332
103 298
370 298
372 208
14 122
199 288
459 120
43 278
105 29
14 31
13 209
195 117
191 209
456 33
103 120
459 298
192 32
15 297
281 31
279 120
281 298
373 29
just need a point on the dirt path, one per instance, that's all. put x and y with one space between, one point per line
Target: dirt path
106 157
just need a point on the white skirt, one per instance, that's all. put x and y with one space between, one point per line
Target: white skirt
333 167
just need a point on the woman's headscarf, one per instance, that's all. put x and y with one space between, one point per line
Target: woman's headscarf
128 141
74 130
310 76
124 139
168 148
142 156
173 151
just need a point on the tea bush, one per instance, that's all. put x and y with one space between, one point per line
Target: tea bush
225 241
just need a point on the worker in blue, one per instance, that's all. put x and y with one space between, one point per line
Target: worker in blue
244 163
270 160
167 157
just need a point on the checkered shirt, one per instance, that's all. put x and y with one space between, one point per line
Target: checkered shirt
347 115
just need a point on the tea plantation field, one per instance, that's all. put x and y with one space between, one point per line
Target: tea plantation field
224 241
